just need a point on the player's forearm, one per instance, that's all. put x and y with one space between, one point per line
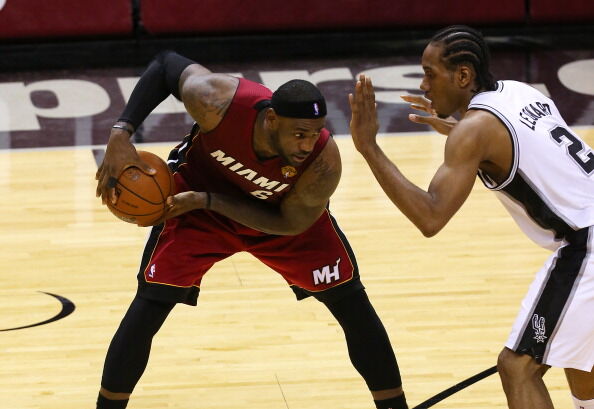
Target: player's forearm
413 202
258 216
160 80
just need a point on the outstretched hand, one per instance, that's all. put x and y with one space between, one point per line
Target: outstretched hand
120 154
364 123
420 103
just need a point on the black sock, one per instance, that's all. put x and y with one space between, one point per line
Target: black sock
399 402
104 403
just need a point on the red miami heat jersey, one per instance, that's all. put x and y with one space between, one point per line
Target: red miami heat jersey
318 261
223 160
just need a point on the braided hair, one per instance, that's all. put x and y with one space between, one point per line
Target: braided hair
463 44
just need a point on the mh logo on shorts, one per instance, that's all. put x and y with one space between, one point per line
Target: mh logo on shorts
325 276
538 324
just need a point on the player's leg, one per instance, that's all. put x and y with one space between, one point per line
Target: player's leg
129 350
554 326
174 261
321 263
369 348
581 384
522 380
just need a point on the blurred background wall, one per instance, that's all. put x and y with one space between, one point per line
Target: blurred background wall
73 33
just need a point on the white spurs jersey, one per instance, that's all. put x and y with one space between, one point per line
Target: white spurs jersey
550 189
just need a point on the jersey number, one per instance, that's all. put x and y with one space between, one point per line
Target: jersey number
574 147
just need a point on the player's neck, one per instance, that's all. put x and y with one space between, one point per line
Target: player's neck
466 101
261 143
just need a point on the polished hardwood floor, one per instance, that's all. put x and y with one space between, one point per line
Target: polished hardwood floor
447 302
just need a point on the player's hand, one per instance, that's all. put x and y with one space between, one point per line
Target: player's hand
364 123
182 203
420 103
120 154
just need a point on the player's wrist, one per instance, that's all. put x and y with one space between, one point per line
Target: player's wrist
369 149
123 126
119 136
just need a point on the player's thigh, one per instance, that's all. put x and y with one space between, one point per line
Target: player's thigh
315 260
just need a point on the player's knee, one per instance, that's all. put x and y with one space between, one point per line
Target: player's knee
517 367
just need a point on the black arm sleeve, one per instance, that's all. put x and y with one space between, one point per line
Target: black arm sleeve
160 79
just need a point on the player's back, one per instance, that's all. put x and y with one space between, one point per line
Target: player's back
550 189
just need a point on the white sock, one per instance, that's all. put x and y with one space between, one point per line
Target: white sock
583 404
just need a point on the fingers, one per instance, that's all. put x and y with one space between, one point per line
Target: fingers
101 183
364 97
416 99
106 186
418 102
420 119
416 118
145 168
112 182
352 103
443 126
419 107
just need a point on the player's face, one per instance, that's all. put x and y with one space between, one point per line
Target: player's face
295 138
439 82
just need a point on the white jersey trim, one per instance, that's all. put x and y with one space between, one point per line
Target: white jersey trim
490 183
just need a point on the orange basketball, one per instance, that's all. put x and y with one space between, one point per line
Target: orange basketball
141 197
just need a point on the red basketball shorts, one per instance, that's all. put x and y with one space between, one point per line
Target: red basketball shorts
317 262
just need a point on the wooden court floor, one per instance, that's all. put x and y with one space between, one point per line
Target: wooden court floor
447 302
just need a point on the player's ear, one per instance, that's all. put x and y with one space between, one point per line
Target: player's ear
465 75
271 119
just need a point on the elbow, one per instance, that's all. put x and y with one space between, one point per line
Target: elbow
430 229
429 232
295 230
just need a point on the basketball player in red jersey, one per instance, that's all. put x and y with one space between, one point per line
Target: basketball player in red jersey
255 174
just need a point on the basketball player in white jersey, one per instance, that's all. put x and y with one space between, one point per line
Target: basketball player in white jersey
514 138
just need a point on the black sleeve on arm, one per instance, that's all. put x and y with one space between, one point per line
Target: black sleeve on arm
160 79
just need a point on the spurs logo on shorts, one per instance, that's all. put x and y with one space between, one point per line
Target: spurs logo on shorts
327 274
538 324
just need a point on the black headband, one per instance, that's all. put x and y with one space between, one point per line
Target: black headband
312 109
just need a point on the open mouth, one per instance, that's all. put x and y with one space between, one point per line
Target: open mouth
299 158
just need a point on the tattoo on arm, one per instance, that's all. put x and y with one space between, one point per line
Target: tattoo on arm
212 102
210 107
323 172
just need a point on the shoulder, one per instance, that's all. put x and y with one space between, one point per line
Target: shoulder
200 86
473 136
481 123
207 97
328 160
320 179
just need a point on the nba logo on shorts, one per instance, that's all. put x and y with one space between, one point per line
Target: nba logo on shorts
152 271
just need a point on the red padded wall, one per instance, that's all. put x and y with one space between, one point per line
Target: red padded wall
224 16
551 11
64 18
